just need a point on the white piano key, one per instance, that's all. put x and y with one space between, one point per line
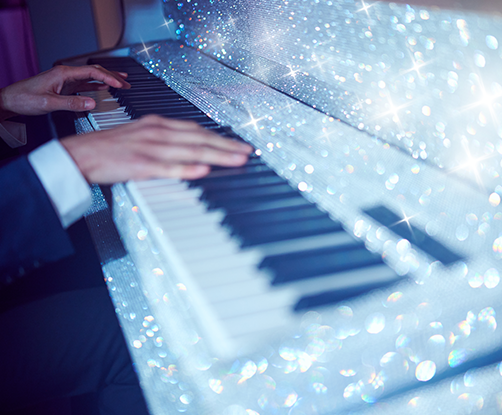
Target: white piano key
168 188
236 290
249 259
258 322
188 245
194 220
168 197
214 279
157 183
188 211
209 228
251 304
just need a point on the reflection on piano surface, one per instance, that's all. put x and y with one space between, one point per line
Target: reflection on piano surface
378 148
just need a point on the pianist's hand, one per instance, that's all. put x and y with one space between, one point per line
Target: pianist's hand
152 147
52 90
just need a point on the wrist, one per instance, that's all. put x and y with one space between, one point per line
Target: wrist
5 113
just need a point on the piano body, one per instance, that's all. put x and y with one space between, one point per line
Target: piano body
354 266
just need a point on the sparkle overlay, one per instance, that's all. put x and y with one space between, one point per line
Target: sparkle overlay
358 105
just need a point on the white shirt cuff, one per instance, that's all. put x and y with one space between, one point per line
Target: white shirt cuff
13 133
68 190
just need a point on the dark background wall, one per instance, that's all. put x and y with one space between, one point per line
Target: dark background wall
61 29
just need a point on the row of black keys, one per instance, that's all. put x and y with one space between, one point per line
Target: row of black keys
260 206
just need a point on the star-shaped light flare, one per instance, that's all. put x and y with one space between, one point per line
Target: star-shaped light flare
487 100
406 219
394 111
146 49
292 72
166 23
366 7
471 164
416 65
252 121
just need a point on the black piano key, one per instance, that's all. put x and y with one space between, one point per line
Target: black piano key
410 232
250 162
170 112
230 204
151 109
122 99
131 105
138 81
318 262
164 103
175 109
198 118
151 90
335 296
242 182
225 174
239 220
245 193
285 231
257 205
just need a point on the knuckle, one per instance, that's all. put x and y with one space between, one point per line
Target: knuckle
150 119
72 103
199 152
44 104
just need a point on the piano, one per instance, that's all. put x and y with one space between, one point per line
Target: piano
353 264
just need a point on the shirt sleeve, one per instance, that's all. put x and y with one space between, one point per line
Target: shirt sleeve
68 190
13 133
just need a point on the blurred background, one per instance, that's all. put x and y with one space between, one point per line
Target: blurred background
36 33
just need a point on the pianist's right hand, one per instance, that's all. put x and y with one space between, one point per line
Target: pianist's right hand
150 148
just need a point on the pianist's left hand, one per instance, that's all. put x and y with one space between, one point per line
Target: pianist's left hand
53 90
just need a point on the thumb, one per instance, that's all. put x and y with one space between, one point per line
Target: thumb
73 103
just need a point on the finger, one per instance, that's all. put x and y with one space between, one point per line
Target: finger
97 73
189 154
175 170
177 131
92 87
208 139
70 103
123 75
170 123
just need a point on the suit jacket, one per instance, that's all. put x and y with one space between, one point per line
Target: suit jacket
31 234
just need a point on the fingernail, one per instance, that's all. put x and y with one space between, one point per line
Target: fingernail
88 104
123 74
246 147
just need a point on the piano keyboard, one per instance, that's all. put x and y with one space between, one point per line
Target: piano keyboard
251 249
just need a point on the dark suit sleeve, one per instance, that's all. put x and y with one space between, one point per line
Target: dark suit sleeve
30 232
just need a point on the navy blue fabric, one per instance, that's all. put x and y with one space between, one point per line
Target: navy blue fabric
31 234
61 337
65 345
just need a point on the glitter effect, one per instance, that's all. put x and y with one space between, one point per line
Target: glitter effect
400 105
425 371
457 357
